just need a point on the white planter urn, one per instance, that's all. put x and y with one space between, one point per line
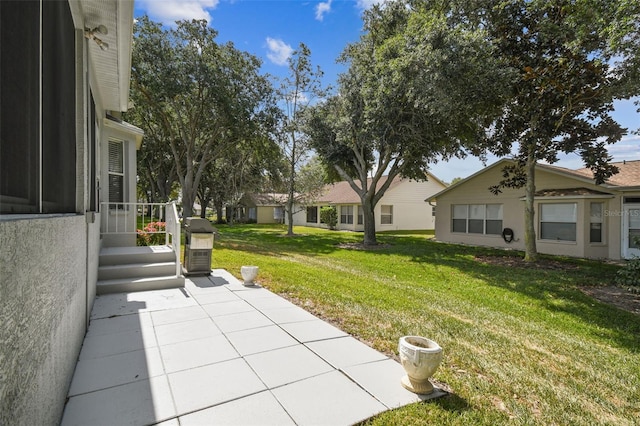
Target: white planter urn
420 357
249 273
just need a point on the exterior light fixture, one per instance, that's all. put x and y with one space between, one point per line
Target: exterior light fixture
91 35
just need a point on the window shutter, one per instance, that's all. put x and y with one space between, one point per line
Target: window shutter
116 172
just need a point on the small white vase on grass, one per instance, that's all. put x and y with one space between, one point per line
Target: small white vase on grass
420 357
249 274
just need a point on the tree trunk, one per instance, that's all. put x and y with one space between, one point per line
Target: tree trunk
219 211
531 252
369 220
187 202
290 215
203 208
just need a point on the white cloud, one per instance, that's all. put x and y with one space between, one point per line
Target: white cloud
278 51
627 149
169 11
366 4
323 8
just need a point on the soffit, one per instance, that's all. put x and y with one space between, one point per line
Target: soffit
111 67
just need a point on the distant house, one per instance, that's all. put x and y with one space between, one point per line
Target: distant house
65 156
574 216
402 207
261 208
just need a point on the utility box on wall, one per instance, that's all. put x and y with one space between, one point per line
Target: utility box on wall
198 246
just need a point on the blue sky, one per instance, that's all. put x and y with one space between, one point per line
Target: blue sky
272 29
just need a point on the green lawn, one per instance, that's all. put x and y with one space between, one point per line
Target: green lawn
521 346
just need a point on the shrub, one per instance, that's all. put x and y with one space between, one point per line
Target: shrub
630 275
329 215
153 234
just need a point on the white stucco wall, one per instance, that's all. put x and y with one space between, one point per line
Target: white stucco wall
43 302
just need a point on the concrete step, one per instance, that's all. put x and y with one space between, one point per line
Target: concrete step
139 284
129 255
136 270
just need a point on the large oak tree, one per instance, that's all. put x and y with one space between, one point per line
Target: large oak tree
201 96
421 85
573 59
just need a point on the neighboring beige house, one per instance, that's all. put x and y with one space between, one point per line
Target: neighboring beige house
262 208
574 216
402 207
64 81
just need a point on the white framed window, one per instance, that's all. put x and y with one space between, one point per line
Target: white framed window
596 222
477 218
460 215
346 214
360 215
116 171
386 215
558 221
493 224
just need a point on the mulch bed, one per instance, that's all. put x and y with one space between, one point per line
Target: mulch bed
518 261
617 296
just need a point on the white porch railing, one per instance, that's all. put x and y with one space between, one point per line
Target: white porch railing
140 220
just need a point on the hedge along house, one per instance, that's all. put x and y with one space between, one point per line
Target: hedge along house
402 207
65 70
574 216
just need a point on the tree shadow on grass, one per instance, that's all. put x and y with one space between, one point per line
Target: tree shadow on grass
554 290
549 285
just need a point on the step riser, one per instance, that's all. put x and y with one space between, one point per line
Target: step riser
127 287
138 271
124 259
130 269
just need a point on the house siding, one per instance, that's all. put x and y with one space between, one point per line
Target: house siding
475 191
265 214
43 308
410 211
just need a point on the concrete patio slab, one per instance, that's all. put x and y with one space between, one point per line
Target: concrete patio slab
197 353
242 321
144 402
186 330
285 315
97 346
345 351
227 308
171 316
377 377
328 399
300 364
110 305
101 373
118 324
309 331
261 339
224 295
258 409
213 384
217 352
